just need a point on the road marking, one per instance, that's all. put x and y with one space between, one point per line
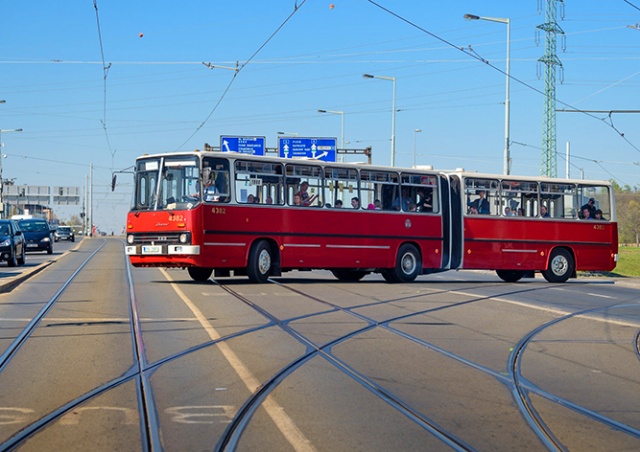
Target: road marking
284 423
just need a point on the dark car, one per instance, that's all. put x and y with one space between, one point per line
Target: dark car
11 243
37 234
64 233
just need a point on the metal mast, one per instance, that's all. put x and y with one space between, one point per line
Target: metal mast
548 164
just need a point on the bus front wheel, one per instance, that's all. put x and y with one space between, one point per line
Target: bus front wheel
561 266
510 275
200 274
408 265
260 262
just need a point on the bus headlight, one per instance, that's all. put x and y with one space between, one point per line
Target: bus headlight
130 239
184 238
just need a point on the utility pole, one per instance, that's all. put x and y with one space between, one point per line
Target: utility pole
550 60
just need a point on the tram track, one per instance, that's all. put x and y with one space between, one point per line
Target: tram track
138 372
515 381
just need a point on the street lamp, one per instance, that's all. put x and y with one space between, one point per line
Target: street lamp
507 21
1 181
341 113
415 134
393 114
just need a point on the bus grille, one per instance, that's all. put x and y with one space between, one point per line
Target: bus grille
167 238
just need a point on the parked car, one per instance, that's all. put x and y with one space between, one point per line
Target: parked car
37 235
64 233
11 243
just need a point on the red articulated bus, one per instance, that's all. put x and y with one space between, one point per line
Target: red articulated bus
262 216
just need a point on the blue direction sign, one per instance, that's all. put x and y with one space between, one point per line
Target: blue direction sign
316 148
244 145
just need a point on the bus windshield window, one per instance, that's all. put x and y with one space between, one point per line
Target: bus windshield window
179 177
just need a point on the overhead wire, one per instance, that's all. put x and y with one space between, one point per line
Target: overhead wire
105 71
240 67
476 56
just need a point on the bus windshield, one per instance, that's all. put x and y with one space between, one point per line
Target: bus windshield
167 183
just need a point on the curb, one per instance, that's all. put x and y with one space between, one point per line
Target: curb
14 281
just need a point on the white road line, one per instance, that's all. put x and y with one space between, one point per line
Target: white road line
557 311
284 423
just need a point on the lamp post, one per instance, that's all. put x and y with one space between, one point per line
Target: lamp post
1 181
393 114
341 113
415 134
507 21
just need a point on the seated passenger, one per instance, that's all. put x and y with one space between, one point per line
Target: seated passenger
586 214
355 202
544 213
297 201
481 204
598 215
304 195
338 204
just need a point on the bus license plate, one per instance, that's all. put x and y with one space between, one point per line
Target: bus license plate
151 249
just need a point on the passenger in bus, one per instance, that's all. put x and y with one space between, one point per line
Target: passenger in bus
338 204
473 210
268 200
297 201
371 206
481 204
424 202
520 212
412 207
586 214
355 202
251 199
544 213
508 212
210 192
377 204
598 215
306 198
590 206
402 202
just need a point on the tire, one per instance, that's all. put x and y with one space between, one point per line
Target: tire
510 275
561 266
408 265
13 259
200 274
21 259
349 275
50 249
260 262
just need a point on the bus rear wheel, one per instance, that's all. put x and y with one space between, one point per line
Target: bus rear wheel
561 266
510 275
408 265
260 262
349 275
200 274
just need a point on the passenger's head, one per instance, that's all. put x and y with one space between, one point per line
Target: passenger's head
355 202
586 213
297 201
338 203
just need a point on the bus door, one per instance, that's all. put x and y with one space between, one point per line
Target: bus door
454 238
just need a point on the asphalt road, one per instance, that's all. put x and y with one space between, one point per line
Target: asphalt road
146 359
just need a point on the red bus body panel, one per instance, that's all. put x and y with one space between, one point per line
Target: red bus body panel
306 237
525 244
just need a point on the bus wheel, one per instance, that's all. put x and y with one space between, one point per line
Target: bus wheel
561 266
200 274
408 265
349 275
510 275
260 261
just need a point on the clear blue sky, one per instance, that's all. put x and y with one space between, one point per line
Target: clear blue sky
160 97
